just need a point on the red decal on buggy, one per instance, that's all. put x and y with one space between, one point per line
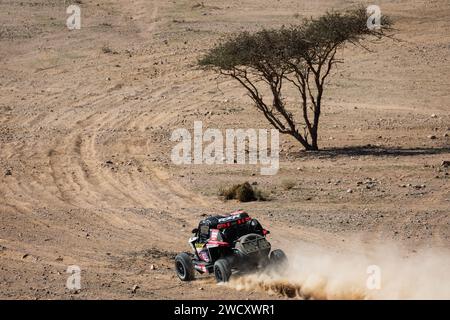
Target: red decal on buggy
204 256
220 243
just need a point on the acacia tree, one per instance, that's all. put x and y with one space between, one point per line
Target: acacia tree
302 56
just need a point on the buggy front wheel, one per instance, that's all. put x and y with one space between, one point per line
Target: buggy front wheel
184 267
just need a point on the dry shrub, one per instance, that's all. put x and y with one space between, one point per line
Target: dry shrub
242 192
288 184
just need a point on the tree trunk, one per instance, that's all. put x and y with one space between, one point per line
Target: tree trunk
304 142
314 138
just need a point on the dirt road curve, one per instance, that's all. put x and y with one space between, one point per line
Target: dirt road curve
86 116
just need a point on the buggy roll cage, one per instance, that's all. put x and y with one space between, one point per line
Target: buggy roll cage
230 227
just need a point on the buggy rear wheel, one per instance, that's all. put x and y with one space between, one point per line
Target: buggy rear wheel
222 270
278 259
184 267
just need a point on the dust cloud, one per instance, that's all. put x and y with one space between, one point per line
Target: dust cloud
381 272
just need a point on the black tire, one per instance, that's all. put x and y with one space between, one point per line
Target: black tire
184 267
278 259
222 270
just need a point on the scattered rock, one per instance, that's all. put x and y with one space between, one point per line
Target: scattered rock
434 116
134 288
153 267
445 163
25 256
349 191
432 137
8 172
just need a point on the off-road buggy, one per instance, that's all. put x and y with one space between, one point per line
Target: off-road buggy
223 244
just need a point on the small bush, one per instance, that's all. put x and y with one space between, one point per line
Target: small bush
287 184
245 193
242 192
106 49
198 5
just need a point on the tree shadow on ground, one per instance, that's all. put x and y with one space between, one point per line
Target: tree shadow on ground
369 150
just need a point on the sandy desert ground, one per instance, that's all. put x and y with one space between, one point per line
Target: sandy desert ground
86 176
